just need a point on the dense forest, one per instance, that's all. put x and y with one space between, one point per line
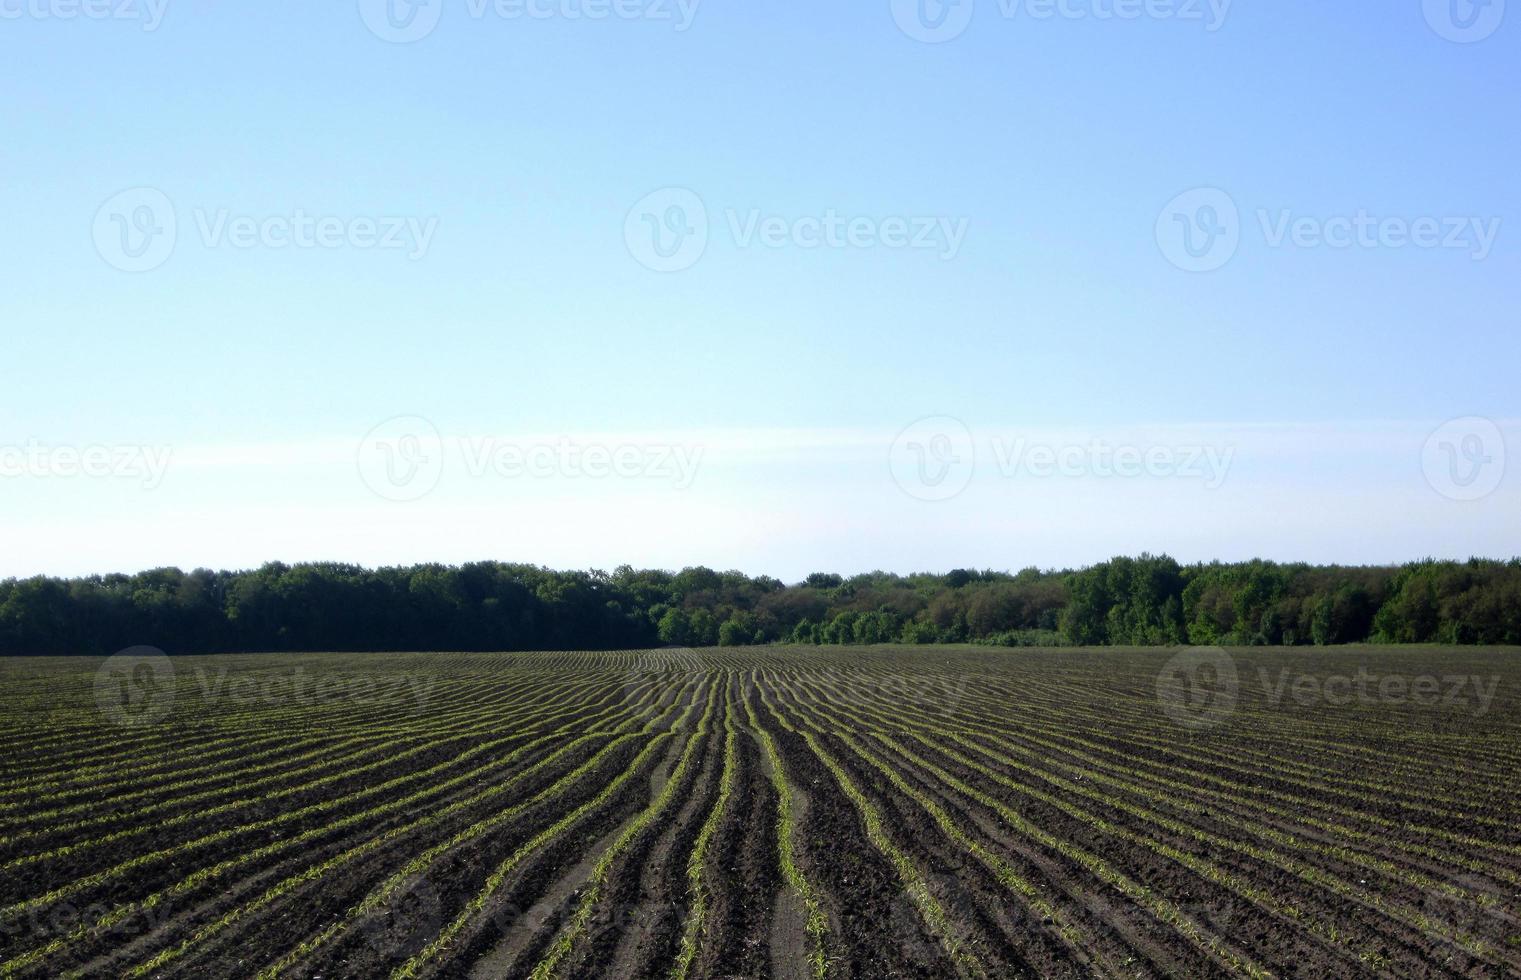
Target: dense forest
1150 600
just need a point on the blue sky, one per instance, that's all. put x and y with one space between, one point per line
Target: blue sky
1035 157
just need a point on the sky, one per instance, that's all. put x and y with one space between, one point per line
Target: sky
894 284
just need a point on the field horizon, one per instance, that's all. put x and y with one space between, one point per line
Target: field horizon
668 490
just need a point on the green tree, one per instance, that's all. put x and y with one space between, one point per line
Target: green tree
675 628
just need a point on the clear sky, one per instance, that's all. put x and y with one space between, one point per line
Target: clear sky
740 250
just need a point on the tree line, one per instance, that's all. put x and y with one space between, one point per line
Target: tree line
1144 601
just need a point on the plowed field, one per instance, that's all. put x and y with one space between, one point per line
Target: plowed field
770 812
